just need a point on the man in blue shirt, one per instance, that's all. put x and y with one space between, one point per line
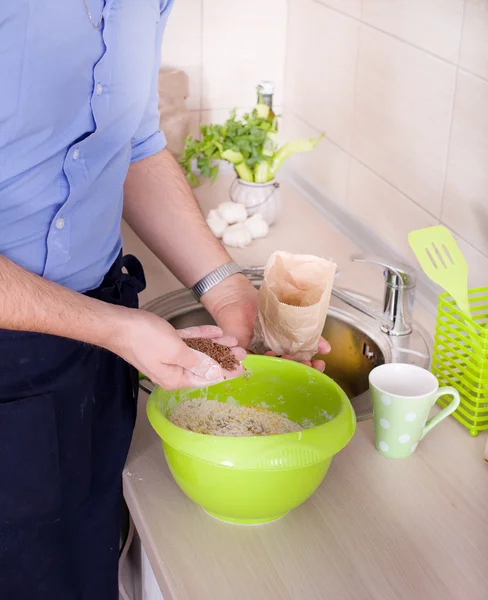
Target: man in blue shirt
79 144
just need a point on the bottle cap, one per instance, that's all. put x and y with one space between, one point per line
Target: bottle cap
266 87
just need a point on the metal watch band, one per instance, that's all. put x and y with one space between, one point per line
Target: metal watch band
214 278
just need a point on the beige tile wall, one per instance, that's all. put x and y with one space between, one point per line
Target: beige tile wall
400 88
226 47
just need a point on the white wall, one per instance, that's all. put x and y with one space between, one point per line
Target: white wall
400 88
226 47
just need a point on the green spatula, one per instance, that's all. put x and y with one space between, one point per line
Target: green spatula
442 260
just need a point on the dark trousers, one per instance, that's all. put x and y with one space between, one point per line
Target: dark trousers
67 412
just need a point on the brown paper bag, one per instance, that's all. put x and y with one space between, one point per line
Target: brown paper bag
293 303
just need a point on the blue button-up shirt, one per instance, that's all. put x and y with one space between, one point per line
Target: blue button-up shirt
77 105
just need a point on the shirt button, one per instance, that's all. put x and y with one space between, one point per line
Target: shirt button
60 223
76 154
99 89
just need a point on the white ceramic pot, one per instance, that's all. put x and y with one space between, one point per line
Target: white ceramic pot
263 198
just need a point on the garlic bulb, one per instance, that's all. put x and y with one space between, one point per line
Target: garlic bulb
232 212
216 223
237 236
257 226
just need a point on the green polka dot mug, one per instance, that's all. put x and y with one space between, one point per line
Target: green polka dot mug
402 397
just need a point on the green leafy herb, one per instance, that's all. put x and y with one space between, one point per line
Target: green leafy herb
250 144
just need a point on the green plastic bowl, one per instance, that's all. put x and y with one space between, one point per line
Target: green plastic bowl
256 480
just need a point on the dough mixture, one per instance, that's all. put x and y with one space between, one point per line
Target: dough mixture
216 418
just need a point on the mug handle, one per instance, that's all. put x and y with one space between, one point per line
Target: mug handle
446 411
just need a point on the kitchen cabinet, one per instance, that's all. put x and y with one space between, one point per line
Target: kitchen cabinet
137 575
149 586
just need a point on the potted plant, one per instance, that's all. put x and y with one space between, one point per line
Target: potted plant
250 144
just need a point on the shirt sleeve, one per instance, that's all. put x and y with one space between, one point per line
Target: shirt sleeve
149 139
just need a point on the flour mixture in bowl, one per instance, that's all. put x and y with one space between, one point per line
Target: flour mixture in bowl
215 418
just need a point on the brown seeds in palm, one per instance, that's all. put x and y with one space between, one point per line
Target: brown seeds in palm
220 354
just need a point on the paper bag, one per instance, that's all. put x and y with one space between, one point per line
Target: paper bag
293 303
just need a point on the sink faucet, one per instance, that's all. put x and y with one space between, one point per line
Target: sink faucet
399 294
400 280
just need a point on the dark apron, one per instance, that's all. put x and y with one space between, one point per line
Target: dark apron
67 412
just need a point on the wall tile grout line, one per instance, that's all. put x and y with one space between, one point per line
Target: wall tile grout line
463 17
286 63
448 152
393 186
387 33
354 111
202 2
361 162
338 10
473 74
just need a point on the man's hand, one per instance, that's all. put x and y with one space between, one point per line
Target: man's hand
151 345
234 306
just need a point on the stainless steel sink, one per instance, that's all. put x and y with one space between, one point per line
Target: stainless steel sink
357 340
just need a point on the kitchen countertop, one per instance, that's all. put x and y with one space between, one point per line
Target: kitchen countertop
376 529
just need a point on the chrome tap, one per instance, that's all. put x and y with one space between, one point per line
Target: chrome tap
399 294
396 313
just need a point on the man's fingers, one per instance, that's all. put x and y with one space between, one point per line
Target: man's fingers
226 340
324 346
239 353
201 365
203 331
172 377
319 365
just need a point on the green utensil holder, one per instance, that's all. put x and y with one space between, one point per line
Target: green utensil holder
460 357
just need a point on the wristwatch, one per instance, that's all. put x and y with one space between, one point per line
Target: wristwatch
214 278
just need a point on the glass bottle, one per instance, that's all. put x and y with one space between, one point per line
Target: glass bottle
265 91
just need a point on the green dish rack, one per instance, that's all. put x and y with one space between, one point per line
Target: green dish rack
460 357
